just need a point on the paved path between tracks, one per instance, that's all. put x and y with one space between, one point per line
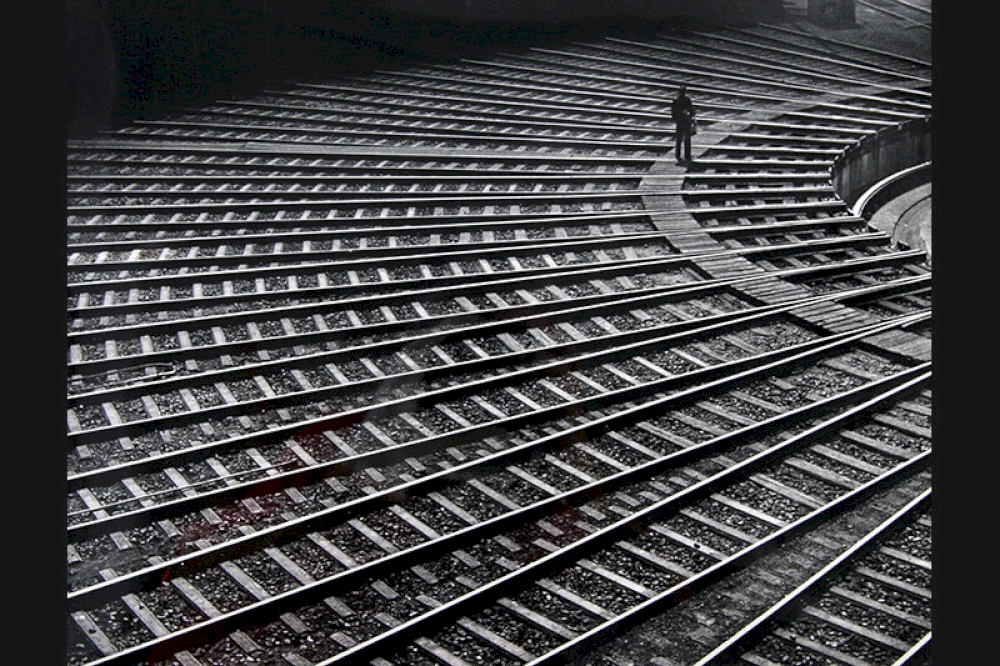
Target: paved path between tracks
907 218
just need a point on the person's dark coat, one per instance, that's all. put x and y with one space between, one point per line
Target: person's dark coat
682 112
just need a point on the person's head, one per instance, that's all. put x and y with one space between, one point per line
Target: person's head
682 90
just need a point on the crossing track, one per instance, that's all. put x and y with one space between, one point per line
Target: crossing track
454 364
913 14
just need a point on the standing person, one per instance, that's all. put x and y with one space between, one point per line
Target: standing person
682 111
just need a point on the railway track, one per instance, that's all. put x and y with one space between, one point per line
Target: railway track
452 364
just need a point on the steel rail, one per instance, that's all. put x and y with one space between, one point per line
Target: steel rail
762 150
580 308
450 176
799 52
405 255
743 59
676 594
505 101
910 5
373 571
779 207
830 40
390 251
206 630
737 164
597 108
434 198
717 73
443 287
107 152
753 190
714 72
397 382
285 130
485 198
642 339
345 259
433 287
632 97
348 119
443 326
704 325
135 330
777 613
872 6
337 234
350 464
450 96
500 196
320 163
343 419
260 149
334 267
333 119
333 107
402 255
864 300
438 134
399 224
516 579
294 124
347 116
464 280
514 317
491 221
109 473
677 331
753 177
716 379
539 277
920 653
505 221
651 82
436 337
389 327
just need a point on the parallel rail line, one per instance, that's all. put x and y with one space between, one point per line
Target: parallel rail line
452 364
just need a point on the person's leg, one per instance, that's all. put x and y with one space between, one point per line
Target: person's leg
687 146
678 139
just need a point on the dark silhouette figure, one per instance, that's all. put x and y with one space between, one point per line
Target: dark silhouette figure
682 111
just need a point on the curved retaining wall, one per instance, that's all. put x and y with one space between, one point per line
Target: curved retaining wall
877 157
889 188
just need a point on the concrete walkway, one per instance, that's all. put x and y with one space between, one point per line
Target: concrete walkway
907 219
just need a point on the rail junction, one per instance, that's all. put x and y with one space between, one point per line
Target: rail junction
454 364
